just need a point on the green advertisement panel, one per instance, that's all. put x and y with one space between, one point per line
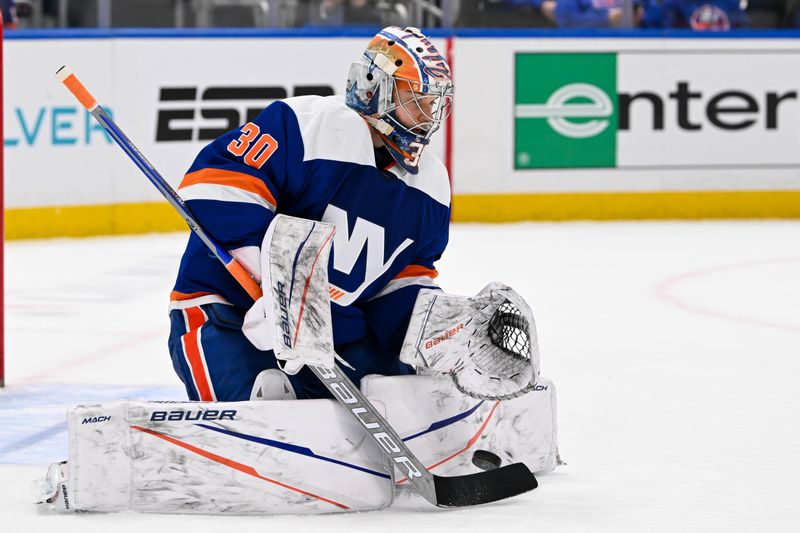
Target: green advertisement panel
565 110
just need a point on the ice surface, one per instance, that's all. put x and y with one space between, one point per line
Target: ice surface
675 348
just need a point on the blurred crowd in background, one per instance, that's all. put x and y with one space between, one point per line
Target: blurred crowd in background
699 15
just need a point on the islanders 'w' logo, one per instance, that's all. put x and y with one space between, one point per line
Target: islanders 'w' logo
348 246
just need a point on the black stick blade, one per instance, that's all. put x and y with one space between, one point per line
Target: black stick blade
484 487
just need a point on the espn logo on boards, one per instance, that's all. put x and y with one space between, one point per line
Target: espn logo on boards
571 110
184 117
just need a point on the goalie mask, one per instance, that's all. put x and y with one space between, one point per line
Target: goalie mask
402 86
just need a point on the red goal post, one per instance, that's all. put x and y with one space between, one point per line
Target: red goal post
2 225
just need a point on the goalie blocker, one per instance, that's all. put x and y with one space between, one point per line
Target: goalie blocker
299 457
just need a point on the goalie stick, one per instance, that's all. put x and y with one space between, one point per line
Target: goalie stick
453 491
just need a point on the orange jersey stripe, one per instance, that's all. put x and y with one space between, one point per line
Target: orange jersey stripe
413 271
176 296
229 178
191 346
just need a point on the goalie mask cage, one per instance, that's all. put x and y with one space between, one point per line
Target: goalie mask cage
2 225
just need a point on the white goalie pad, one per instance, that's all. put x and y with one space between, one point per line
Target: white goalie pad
454 434
259 457
487 343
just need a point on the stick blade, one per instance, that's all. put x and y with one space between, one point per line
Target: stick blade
484 487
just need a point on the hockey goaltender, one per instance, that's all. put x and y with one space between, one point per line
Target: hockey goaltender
334 385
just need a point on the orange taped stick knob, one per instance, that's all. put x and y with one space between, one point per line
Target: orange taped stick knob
244 279
65 76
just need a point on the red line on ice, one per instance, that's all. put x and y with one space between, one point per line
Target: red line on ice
664 287
101 353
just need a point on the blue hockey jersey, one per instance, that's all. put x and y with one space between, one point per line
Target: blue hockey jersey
312 157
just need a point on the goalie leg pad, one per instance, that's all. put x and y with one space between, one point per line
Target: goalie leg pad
455 434
258 457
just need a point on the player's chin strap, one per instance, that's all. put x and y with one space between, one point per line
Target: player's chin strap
487 342
382 127
384 130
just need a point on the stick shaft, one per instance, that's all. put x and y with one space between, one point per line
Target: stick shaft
80 92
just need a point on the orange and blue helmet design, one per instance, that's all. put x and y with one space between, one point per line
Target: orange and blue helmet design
402 86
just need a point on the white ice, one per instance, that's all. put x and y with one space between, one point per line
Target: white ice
675 348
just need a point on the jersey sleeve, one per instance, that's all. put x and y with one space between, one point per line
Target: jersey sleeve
387 314
237 182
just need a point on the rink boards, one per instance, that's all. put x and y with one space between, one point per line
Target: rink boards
543 128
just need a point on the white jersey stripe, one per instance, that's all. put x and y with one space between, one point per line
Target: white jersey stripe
185 324
199 347
194 302
188 364
204 362
401 283
223 193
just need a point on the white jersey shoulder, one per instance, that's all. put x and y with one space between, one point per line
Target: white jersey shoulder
432 177
331 130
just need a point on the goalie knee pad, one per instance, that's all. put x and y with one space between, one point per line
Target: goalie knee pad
273 384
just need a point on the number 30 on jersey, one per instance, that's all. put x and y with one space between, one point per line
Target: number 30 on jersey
255 147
